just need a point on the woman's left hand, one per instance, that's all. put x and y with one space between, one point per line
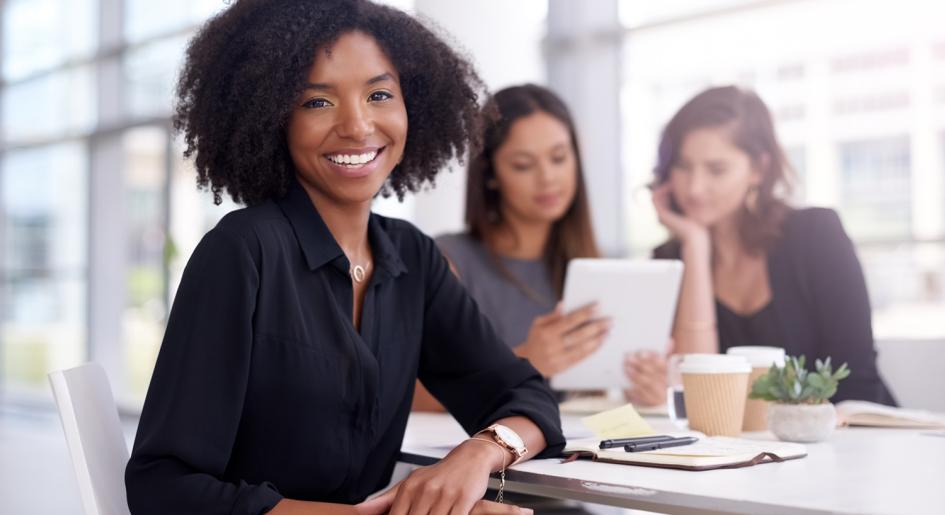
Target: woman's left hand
455 484
647 372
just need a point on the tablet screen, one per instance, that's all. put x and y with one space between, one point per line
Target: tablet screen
639 296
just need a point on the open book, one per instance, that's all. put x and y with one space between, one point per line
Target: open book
870 414
706 454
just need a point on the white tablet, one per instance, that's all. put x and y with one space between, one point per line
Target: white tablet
639 296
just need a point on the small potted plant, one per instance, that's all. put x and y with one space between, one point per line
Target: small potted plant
800 410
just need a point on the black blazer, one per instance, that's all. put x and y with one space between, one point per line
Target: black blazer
820 300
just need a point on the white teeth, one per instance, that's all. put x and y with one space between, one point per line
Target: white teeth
353 159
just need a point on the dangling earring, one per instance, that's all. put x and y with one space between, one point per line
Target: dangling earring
751 200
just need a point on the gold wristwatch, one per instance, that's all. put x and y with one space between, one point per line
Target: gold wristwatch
509 440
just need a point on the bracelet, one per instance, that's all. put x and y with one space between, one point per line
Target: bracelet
500 497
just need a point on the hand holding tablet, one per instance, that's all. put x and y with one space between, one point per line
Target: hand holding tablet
557 340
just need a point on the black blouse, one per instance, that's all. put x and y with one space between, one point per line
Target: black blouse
758 328
264 389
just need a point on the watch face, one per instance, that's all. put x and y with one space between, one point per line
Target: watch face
510 437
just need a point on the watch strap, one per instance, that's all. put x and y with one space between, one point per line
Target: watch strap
494 437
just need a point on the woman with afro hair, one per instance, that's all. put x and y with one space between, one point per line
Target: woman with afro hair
286 375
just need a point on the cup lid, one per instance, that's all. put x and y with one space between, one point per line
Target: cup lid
714 364
759 356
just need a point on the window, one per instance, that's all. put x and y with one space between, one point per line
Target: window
876 189
150 73
40 34
51 138
54 105
145 187
146 19
43 275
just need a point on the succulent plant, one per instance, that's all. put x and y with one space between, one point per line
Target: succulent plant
794 384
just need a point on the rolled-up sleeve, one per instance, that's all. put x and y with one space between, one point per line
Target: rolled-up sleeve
469 369
195 401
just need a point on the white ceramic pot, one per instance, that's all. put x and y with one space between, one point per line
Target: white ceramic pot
802 422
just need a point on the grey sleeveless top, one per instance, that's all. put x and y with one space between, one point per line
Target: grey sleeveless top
510 309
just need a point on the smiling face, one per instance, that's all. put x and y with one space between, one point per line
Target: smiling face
536 169
348 128
711 176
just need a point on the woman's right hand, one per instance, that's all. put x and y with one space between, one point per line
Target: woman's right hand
558 340
646 371
682 228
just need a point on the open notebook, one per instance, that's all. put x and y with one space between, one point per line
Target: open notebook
706 454
870 414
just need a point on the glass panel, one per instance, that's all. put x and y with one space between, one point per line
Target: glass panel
49 106
150 73
145 308
147 18
876 189
634 13
43 320
39 34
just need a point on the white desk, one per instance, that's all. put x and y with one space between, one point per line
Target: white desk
861 471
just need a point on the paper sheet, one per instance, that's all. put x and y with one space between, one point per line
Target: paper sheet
622 422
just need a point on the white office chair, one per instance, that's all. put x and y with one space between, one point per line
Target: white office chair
913 371
94 436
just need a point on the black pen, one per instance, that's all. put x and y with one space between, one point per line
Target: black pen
652 446
620 442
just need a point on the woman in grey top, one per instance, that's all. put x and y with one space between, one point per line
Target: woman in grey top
527 215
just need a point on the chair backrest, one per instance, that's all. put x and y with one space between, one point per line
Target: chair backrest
913 371
94 436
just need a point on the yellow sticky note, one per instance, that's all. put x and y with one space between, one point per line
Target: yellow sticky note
622 422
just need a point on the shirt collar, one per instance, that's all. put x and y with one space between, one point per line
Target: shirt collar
386 254
316 241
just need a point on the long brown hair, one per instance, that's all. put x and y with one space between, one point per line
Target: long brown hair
749 122
572 235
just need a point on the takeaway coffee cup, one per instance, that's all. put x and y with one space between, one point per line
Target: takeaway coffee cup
714 392
760 359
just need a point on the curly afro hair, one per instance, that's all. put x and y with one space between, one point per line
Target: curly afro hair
247 65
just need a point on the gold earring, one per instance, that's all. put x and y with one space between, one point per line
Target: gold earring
751 200
492 184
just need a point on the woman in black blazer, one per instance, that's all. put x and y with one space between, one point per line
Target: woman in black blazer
757 271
